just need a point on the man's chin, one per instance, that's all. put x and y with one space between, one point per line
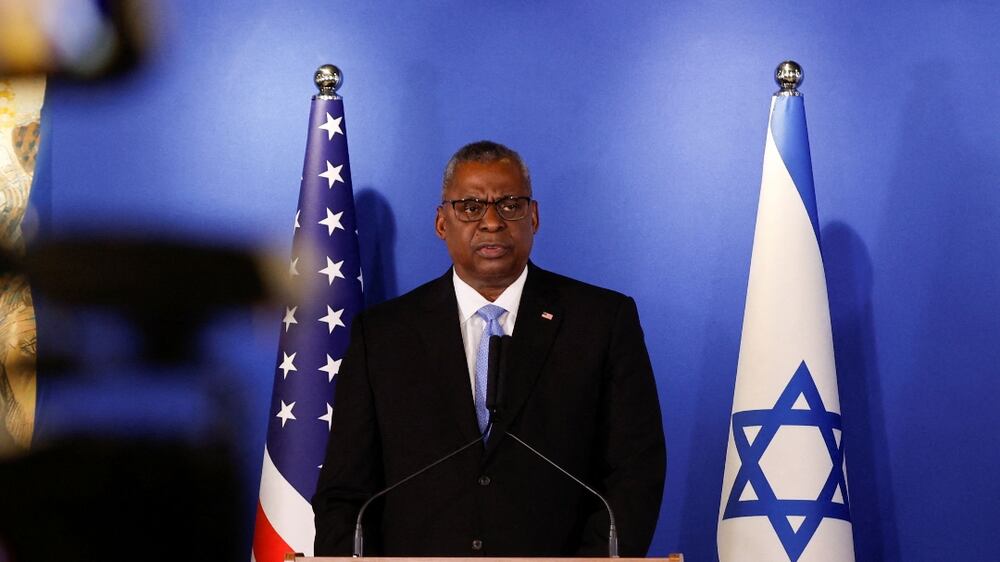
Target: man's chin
499 270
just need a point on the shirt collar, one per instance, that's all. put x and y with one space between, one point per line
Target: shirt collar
470 301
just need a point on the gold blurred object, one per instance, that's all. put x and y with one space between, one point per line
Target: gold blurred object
83 39
20 110
23 46
18 349
25 141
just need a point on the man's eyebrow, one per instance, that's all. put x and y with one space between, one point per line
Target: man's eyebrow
484 198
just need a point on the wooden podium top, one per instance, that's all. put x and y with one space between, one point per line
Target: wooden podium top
673 557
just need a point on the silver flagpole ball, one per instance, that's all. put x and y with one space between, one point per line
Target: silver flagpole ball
788 75
328 79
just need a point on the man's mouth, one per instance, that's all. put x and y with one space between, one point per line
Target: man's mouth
491 251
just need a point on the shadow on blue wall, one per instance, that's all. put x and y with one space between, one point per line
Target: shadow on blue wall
377 239
707 449
941 241
849 283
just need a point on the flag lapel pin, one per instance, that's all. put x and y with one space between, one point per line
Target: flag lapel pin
547 315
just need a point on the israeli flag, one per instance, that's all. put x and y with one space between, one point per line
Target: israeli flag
784 493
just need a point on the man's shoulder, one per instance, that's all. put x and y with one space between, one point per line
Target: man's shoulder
548 285
432 293
564 287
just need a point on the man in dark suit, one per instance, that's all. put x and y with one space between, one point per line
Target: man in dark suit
579 388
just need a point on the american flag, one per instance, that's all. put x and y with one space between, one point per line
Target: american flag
325 266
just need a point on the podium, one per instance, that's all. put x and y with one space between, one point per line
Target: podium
673 557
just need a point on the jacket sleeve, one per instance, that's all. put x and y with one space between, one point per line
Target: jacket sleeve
631 452
352 468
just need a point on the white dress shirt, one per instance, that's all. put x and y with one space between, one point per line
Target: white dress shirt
470 301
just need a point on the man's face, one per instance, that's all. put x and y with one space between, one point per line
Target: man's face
490 253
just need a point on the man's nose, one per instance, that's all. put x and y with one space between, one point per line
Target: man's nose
492 220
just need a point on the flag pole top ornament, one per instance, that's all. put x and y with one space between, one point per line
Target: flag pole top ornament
328 79
788 75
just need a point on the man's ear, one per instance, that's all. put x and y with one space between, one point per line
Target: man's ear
439 223
534 217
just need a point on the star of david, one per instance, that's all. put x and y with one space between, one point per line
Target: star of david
781 512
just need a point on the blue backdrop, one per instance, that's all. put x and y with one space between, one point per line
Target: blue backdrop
643 124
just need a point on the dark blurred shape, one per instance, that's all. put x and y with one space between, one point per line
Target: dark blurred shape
76 38
166 289
143 468
102 500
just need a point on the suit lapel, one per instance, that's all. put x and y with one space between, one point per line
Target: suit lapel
538 320
443 337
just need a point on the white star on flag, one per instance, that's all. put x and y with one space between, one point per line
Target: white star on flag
332 174
331 368
332 221
297 225
332 126
290 317
286 412
361 279
287 365
293 267
328 417
332 318
332 270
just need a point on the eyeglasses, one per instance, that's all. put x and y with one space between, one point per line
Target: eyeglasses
510 208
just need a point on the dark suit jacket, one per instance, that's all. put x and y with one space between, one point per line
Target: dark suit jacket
579 388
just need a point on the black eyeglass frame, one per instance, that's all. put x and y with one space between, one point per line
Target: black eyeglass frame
496 205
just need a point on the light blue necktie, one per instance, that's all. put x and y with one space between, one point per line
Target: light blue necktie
490 313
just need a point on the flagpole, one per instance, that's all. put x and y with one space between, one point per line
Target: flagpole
788 75
328 79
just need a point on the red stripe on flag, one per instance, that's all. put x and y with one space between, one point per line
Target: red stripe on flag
268 546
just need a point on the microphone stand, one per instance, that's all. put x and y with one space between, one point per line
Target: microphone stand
499 351
359 541
612 528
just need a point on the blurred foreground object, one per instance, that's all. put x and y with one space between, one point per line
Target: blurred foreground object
20 117
166 289
92 499
79 38
132 457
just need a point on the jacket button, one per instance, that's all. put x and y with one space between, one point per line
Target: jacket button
477 544
484 480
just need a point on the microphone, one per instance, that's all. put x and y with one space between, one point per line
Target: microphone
494 401
496 361
492 374
496 367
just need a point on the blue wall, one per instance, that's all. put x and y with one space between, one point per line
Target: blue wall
643 124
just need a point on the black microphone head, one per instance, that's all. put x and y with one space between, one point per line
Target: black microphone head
492 370
505 349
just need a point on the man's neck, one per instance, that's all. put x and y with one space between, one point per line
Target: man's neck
491 291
